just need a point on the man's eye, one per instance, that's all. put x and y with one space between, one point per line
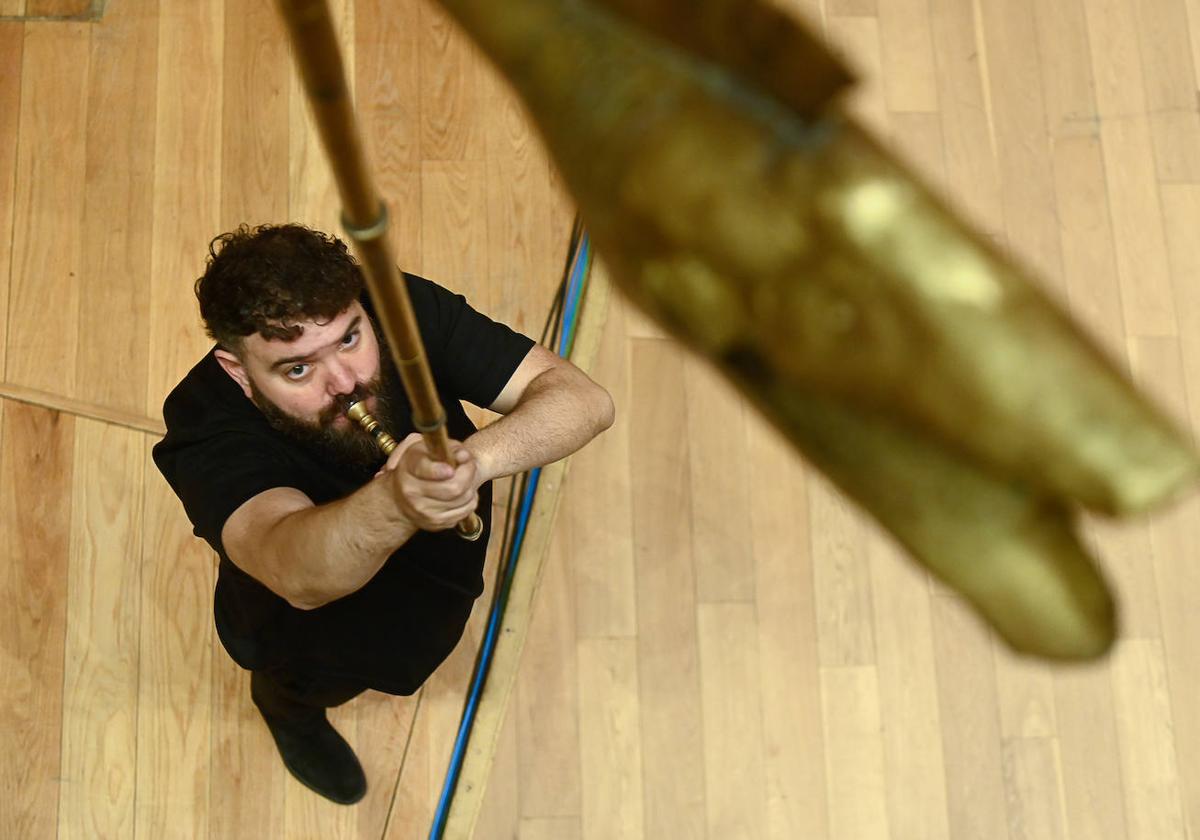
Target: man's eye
350 339
297 371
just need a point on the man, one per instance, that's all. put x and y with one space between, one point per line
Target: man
340 571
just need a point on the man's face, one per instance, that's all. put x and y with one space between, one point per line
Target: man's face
299 385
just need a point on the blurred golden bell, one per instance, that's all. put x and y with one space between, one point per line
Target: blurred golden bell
903 355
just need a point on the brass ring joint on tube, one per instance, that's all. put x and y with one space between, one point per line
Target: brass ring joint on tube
372 231
425 428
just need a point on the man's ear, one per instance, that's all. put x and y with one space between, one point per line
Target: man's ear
233 366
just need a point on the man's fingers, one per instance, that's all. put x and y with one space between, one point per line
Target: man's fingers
459 482
436 495
393 461
438 491
453 516
421 463
439 481
429 469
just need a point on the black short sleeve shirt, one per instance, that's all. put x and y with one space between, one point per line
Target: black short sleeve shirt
219 452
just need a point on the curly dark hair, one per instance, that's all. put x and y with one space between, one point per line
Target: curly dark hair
267 278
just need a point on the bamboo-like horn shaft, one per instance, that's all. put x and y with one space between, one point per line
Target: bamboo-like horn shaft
364 217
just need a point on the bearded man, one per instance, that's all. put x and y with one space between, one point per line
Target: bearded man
340 571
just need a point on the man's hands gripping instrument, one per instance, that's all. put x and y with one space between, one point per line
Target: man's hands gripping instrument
431 494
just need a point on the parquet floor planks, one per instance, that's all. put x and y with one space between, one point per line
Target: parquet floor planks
12 43
722 647
46 261
101 660
36 475
117 227
180 760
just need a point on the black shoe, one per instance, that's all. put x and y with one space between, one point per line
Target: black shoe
320 759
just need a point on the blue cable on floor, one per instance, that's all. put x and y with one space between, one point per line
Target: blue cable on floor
574 295
576 284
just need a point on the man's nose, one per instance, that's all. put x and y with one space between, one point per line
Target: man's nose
341 379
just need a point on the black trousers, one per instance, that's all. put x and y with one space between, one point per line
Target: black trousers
291 697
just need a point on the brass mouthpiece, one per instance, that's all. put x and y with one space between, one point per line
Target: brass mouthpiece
356 411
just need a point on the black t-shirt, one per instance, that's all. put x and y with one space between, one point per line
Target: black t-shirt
219 451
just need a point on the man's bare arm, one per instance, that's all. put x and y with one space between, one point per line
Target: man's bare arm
311 555
552 409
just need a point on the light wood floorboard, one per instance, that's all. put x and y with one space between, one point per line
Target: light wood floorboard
12 44
722 646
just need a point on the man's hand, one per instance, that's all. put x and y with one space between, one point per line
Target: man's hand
432 495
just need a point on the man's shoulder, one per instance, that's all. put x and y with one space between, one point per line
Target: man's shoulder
207 401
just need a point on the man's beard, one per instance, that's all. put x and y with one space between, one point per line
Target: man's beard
351 445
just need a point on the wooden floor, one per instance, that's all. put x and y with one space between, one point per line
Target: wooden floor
722 648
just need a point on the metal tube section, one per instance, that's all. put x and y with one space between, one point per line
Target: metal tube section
365 219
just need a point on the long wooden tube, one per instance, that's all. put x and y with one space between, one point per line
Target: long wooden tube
365 219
